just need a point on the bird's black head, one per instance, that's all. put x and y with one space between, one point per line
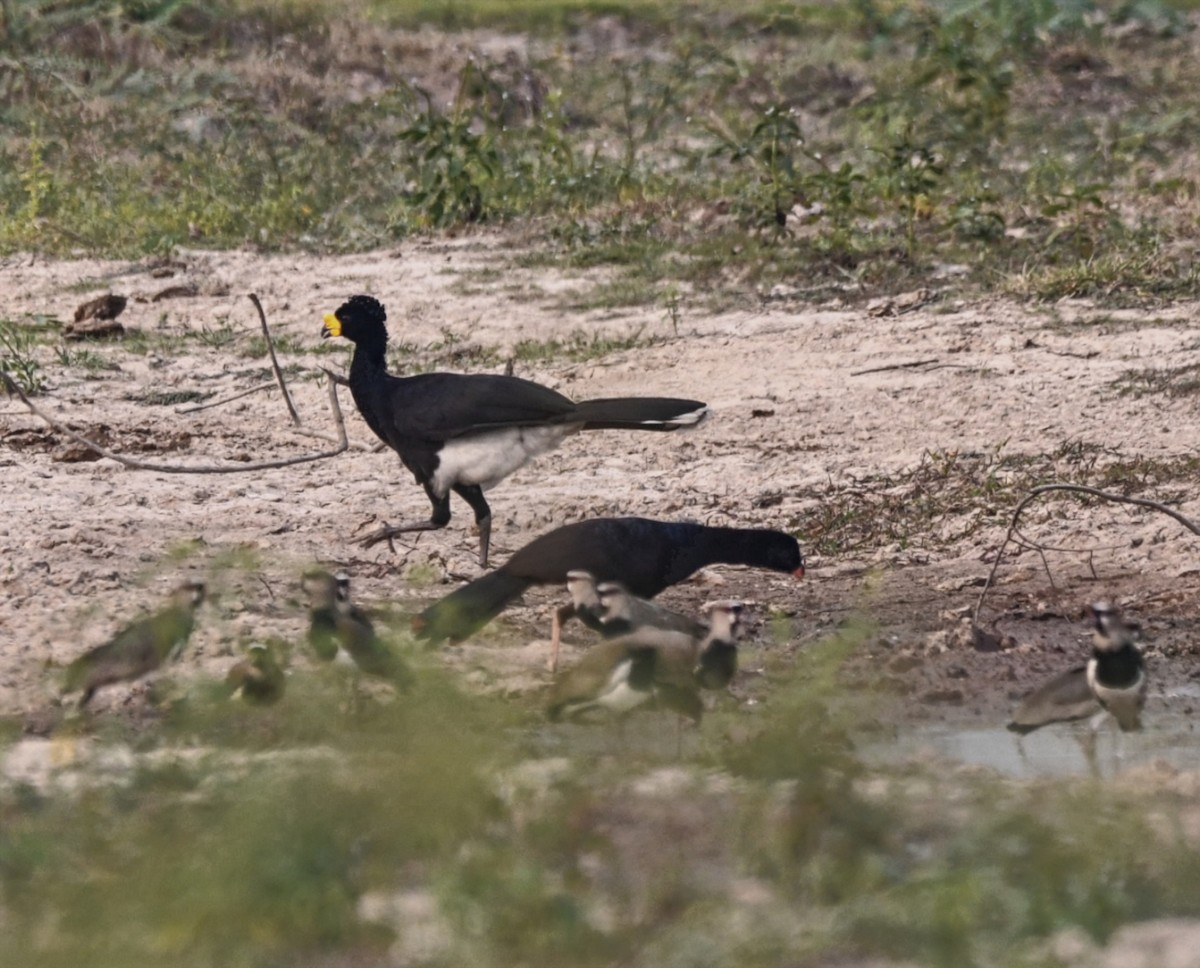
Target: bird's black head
359 319
581 585
781 552
614 602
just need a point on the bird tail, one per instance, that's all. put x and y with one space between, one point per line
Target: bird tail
640 413
468 609
77 674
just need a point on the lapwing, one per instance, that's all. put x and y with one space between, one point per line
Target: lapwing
139 648
339 627
259 679
1112 681
586 605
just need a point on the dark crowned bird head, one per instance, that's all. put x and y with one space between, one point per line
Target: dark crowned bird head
725 618
321 588
271 651
1110 632
359 319
189 595
581 585
782 553
615 602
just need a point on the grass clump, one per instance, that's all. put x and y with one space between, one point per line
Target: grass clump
578 347
17 359
1183 381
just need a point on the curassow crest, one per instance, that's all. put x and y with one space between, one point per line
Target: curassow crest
464 433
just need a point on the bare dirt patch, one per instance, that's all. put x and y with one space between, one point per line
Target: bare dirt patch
811 409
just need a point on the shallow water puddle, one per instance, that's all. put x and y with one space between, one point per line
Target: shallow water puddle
1058 750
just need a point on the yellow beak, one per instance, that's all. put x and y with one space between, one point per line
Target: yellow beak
332 327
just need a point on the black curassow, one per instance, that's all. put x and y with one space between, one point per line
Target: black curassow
467 432
645 556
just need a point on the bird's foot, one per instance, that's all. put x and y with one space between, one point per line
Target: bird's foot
485 539
555 644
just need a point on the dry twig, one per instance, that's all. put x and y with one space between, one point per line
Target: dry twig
1076 489
287 397
217 403
141 465
335 377
894 366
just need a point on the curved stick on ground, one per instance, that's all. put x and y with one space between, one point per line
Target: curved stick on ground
1075 489
224 400
287 397
140 465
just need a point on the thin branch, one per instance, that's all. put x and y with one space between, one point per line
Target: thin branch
139 465
335 377
1075 489
1089 355
894 366
1027 542
287 397
196 408
926 366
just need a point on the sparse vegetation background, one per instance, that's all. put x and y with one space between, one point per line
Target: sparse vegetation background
695 155
1045 148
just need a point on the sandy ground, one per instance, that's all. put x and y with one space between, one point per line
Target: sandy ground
85 544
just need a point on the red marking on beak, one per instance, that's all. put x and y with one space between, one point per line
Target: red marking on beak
799 572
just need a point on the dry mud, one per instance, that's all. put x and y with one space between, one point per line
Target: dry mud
797 419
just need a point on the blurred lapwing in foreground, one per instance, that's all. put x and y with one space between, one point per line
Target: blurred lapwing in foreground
259 679
717 662
619 616
648 662
338 627
1113 681
139 648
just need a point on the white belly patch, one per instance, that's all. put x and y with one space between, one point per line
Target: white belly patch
486 459
618 696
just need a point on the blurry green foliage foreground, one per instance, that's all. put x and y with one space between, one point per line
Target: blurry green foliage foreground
446 828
